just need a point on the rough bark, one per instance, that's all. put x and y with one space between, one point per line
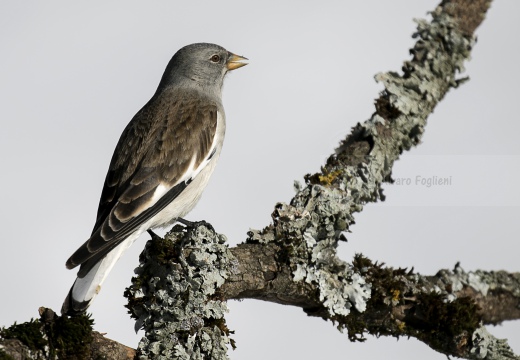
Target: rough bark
101 348
56 337
260 276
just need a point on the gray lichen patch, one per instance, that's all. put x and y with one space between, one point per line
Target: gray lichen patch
486 346
172 295
480 281
318 222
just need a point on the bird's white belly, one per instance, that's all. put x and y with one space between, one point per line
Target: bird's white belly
187 199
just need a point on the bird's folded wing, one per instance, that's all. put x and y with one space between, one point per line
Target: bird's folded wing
162 149
93 255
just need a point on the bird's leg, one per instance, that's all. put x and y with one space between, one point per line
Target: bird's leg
153 235
186 222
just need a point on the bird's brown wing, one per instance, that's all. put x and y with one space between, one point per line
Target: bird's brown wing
159 153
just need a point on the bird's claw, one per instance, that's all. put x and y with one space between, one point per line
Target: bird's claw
153 235
194 224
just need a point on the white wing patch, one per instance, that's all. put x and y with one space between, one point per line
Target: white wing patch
158 193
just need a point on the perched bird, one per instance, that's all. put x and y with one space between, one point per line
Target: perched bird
160 166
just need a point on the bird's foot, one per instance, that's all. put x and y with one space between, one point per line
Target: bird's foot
193 224
153 235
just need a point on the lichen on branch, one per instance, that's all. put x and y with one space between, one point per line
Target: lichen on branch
172 296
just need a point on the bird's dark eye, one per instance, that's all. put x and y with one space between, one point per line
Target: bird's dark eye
215 58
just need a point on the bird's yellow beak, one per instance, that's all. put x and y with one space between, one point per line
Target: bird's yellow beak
235 61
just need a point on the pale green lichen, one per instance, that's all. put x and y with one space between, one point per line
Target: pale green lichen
486 346
476 283
171 297
480 281
318 222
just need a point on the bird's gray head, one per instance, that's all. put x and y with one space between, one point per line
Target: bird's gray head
200 65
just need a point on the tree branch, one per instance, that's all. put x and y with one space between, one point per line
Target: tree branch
293 260
59 337
260 276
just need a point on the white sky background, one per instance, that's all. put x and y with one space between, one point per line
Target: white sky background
72 74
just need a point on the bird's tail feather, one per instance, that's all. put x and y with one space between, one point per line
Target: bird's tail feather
87 287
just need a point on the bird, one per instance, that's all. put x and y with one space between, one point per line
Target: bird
160 166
